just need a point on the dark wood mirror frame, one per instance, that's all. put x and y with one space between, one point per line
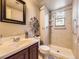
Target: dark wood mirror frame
3 13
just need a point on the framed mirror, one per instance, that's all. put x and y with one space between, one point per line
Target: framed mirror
14 11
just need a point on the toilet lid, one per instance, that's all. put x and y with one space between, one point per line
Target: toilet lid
44 48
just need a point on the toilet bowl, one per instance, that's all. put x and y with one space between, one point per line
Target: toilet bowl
44 49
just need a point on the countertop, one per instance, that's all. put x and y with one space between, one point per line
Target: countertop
9 48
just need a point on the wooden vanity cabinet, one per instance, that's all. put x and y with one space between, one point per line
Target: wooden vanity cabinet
28 53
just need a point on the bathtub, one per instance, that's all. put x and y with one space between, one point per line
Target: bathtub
60 53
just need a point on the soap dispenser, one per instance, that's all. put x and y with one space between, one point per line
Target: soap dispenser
26 34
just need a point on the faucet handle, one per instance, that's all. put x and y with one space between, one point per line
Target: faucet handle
16 39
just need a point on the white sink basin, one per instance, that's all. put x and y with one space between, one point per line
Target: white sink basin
15 44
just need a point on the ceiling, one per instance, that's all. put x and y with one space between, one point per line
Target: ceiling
53 4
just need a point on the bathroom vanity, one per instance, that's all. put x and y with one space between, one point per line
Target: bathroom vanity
25 49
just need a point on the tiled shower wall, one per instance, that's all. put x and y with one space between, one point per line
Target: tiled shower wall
59 36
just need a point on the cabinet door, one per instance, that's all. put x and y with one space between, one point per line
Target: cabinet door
26 54
34 51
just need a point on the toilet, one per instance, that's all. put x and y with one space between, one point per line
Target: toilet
44 50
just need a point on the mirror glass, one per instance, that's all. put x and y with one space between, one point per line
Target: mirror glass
14 10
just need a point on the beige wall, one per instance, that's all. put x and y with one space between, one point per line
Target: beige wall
7 29
63 37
